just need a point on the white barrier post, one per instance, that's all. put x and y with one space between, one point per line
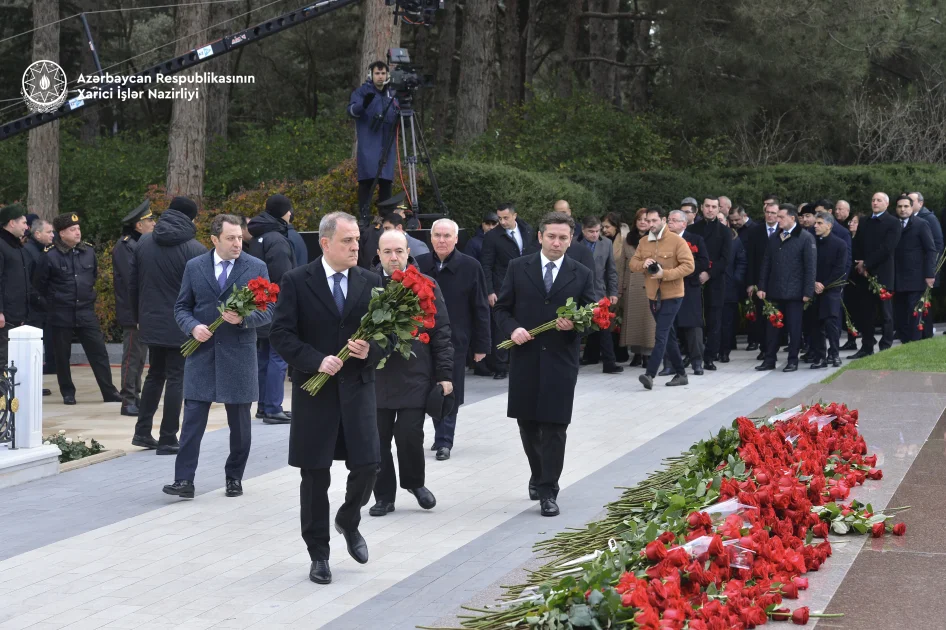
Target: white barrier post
26 353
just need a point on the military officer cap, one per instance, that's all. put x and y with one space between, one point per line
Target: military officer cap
65 221
397 201
141 212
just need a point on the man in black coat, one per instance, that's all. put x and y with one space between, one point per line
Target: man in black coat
787 279
139 221
65 282
874 246
756 244
155 277
16 266
834 264
922 212
39 241
689 321
270 243
914 271
319 309
718 241
463 284
606 286
510 240
474 246
402 389
542 385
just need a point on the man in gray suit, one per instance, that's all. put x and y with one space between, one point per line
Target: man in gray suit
223 370
606 285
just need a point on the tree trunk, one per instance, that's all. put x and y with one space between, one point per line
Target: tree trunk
572 22
511 65
42 196
528 54
476 51
636 96
187 139
379 35
446 51
218 95
603 42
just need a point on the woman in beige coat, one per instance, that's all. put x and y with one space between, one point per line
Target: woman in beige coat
638 326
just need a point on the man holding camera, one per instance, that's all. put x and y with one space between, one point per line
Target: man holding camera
375 110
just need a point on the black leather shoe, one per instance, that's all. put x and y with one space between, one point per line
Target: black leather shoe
68 400
806 357
320 573
709 365
380 508
47 392
144 441
425 498
112 397
276 418
724 358
260 415
549 507
533 493
697 370
434 447
760 356
835 361
587 362
852 345
357 547
167 449
498 376
130 410
182 489
765 367
234 488
667 371
791 367
637 361
819 365
646 380
443 454
751 347
678 381
612 369
860 354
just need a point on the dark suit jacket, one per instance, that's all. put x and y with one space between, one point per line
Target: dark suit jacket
758 242
935 229
788 269
690 314
542 372
834 263
340 422
718 239
875 243
915 257
499 249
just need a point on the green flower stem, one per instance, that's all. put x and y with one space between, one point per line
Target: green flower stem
825 615
315 383
509 343
192 344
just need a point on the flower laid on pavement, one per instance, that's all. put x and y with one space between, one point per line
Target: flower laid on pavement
258 294
591 316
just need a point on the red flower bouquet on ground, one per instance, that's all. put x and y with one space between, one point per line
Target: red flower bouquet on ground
258 294
397 311
594 316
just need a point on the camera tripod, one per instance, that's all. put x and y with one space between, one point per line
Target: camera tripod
412 138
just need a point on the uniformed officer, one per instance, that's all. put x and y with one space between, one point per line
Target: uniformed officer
15 268
65 281
139 221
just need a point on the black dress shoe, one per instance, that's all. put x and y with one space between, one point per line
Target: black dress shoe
498 376
645 361
819 365
234 488
129 410
112 397
667 371
646 380
791 366
852 345
425 498
549 507
260 415
533 493
678 381
167 449
320 573
860 354
764 367
724 358
697 370
68 400
47 392
443 454
587 362
835 361
434 447
182 489
709 365
612 369
144 441
276 418
380 508
637 361
751 347
357 547
760 356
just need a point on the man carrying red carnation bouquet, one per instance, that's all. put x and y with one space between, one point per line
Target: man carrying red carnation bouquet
543 373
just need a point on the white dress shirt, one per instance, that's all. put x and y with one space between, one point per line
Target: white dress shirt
218 266
516 236
545 261
329 272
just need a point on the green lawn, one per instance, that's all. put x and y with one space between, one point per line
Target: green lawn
928 355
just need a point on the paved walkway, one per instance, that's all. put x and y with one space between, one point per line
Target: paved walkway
102 547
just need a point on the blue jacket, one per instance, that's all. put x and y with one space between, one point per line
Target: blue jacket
299 250
475 245
223 369
371 143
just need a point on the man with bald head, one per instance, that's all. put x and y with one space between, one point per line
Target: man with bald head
874 247
725 205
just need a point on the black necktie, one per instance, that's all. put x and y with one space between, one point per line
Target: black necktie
548 277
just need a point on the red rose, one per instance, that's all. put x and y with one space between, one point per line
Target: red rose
781 614
820 530
655 551
424 338
414 332
875 474
604 303
716 546
871 460
899 529
877 530
694 248
397 276
800 616
790 590
800 582
429 322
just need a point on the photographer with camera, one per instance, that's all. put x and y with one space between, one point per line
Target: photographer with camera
375 110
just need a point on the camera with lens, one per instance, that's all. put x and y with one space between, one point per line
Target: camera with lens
415 11
405 76
653 267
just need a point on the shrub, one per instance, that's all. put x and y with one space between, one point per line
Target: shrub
105 300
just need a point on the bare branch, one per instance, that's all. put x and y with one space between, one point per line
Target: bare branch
650 64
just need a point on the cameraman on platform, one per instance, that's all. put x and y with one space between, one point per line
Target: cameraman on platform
375 110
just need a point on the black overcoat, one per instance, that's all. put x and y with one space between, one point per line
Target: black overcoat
875 243
718 239
122 255
340 422
788 269
463 285
834 263
64 280
935 229
16 267
542 372
757 241
690 314
914 258
499 249
736 273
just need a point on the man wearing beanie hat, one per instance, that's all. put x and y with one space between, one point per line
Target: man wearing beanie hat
184 205
65 282
270 243
15 269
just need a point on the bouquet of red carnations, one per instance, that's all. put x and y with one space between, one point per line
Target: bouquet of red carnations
594 315
922 307
258 294
396 312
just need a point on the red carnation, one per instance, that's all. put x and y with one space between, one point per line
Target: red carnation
424 338
694 248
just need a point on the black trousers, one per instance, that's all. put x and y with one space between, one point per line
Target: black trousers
599 345
792 311
365 194
406 426
810 323
903 316
166 368
94 346
865 319
713 299
691 344
497 360
544 445
314 506
825 336
134 354
195 423
728 331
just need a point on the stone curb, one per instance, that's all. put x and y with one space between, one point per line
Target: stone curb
91 459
